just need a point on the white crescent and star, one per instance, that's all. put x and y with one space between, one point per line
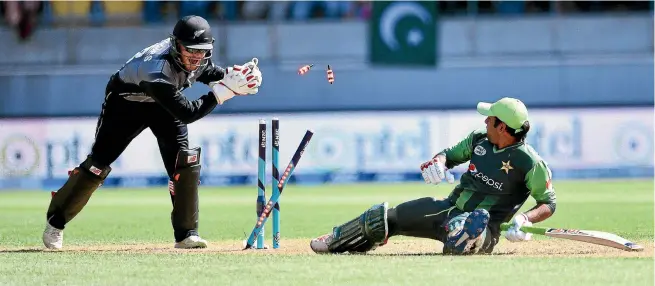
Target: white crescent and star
394 13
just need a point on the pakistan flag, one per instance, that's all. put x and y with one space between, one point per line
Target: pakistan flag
403 33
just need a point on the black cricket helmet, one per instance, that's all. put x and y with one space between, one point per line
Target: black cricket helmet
192 32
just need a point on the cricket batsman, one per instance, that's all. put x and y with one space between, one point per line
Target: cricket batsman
503 172
147 93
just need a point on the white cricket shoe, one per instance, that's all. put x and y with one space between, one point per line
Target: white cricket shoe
320 244
192 241
53 238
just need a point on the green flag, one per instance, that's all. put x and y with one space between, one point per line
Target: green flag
403 33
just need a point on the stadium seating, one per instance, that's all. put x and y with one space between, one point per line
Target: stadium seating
68 9
123 7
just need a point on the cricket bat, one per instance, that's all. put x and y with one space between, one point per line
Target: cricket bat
589 236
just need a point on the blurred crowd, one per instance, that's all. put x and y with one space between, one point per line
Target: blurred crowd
24 16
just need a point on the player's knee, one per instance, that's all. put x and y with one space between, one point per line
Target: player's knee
186 176
188 158
95 168
421 217
375 222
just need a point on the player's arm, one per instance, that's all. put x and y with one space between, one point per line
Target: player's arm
435 170
211 73
176 103
460 152
538 180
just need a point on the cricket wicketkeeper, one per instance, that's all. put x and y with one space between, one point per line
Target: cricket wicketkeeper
147 93
503 172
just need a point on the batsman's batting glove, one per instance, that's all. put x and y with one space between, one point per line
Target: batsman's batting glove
435 171
514 233
238 80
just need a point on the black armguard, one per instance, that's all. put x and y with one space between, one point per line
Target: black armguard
552 207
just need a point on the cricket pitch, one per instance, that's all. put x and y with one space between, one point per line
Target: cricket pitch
401 247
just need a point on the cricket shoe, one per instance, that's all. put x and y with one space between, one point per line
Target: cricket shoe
470 236
192 241
320 244
53 238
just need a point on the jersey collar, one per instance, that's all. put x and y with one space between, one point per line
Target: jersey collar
515 145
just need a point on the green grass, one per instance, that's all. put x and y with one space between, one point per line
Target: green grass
143 216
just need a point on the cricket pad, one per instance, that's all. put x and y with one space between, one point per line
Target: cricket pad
362 234
71 198
184 192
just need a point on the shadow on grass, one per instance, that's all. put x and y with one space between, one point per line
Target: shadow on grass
25 250
121 250
437 254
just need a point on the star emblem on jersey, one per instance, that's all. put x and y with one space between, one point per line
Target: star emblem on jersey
506 167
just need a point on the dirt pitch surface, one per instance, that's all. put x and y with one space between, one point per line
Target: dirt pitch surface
401 247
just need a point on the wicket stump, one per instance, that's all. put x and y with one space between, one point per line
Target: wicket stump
275 133
261 179
284 179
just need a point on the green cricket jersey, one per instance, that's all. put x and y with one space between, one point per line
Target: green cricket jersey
499 181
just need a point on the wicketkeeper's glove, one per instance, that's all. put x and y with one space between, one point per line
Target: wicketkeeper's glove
238 80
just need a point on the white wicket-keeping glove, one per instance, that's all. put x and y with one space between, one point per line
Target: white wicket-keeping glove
514 234
434 171
238 80
252 65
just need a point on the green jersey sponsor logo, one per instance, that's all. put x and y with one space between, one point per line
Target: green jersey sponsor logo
484 178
